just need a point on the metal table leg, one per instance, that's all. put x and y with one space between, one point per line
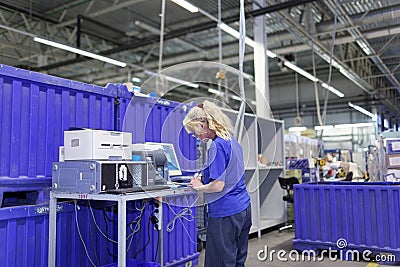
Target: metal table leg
52 230
121 233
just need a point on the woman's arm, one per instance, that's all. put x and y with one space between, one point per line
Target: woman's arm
215 186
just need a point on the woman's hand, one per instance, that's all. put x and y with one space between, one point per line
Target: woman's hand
196 183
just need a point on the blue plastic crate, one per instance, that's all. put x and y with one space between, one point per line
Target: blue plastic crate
393 146
180 244
366 215
309 175
35 109
135 263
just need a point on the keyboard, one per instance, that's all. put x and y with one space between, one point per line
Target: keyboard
137 189
181 179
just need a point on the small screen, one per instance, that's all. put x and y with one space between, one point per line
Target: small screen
173 164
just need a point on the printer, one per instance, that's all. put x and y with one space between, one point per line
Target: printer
89 144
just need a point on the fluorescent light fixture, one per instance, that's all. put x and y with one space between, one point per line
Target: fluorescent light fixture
324 127
354 125
136 80
333 90
172 79
79 51
337 138
231 31
297 129
236 98
179 81
235 33
216 92
300 71
186 5
364 47
253 102
271 54
362 110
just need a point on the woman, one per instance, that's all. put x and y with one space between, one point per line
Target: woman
229 209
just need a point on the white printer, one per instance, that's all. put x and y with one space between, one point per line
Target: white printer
89 144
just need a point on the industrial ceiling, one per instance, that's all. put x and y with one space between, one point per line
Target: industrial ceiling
366 40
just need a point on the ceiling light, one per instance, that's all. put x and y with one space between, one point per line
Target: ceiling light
300 71
236 98
297 129
216 92
136 80
79 51
324 127
235 33
179 81
172 79
333 90
354 125
271 54
186 5
364 47
231 31
362 110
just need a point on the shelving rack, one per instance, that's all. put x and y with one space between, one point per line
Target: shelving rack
265 138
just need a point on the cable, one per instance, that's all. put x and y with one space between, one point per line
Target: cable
80 235
148 239
138 223
330 59
98 228
105 221
181 214
94 241
323 119
242 46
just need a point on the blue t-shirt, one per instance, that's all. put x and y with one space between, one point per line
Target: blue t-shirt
225 163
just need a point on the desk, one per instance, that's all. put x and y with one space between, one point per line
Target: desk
121 200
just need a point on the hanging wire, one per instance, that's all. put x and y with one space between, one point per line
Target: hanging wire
160 58
330 60
80 235
220 52
321 119
242 47
296 77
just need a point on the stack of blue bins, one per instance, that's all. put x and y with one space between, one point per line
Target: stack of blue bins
308 171
351 218
35 110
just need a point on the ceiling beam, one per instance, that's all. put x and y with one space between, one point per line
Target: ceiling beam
178 33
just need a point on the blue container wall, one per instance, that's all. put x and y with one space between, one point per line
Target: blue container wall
24 234
35 109
157 120
180 234
367 215
24 231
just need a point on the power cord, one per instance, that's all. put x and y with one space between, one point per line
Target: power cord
186 214
148 239
80 235
138 220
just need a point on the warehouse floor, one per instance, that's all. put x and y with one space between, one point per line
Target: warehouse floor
283 241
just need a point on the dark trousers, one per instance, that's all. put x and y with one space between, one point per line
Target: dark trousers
227 240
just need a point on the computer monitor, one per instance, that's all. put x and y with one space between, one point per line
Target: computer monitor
173 164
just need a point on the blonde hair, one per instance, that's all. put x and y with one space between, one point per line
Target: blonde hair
208 112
